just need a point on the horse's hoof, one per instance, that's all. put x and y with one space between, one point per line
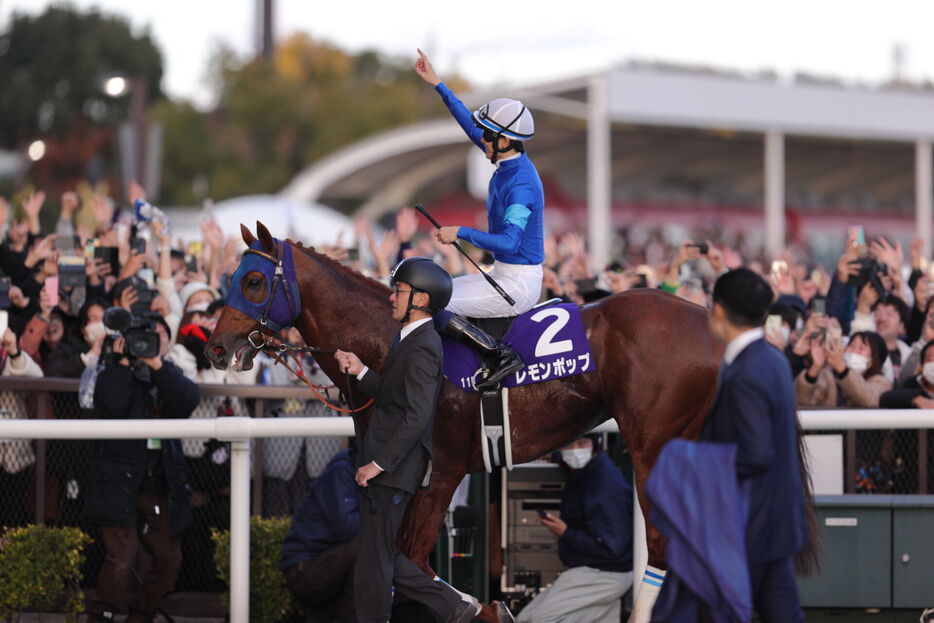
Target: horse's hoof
503 613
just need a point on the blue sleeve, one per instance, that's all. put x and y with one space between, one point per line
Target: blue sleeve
506 242
463 116
841 303
338 498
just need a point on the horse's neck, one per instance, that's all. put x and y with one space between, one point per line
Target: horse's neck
343 310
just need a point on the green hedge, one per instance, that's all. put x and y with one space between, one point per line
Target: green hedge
270 600
37 563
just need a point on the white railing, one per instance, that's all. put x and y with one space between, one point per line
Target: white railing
237 430
240 430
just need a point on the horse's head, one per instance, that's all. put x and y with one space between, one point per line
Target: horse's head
263 299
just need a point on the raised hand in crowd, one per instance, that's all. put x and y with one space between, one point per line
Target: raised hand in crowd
31 207
715 258
814 324
687 252
915 251
884 252
552 282
922 293
452 257
128 297
847 264
96 270
43 249
385 254
9 342
134 191
132 265
406 224
17 298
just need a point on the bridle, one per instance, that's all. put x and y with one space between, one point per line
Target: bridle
276 316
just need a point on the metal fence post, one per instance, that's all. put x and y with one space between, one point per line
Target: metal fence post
42 413
240 531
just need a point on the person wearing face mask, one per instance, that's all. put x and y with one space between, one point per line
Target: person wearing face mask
851 377
73 353
594 541
918 392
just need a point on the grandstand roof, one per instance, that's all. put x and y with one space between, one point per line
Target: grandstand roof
680 137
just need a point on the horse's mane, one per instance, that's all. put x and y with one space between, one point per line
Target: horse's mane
356 276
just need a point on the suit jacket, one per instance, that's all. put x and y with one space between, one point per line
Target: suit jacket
755 409
398 438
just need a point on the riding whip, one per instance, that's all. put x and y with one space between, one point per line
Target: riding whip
489 279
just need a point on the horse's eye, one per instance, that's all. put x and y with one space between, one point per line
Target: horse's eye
254 283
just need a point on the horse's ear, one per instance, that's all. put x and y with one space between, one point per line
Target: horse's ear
265 237
248 236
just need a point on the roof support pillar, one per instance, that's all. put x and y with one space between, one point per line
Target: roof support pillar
923 199
774 193
599 226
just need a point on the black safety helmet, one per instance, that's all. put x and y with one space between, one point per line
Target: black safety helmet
424 276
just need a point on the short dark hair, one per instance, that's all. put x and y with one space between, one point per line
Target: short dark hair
745 297
900 306
878 349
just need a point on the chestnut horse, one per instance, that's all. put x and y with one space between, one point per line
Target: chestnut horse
656 367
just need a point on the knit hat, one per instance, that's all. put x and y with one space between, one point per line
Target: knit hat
189 289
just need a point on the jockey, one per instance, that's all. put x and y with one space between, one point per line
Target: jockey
515 206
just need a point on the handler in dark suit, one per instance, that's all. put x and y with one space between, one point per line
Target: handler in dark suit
395 455
755 409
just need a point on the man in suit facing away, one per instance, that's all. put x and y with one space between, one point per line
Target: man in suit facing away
395 453
755 409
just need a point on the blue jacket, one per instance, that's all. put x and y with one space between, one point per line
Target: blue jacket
697 504
597 507
328 515
755 409
515 202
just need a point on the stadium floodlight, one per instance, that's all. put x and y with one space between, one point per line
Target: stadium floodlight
116 86
36 150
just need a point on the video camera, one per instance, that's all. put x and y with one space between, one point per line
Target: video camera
139 334
871 271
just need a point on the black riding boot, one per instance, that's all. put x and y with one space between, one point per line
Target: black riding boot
506 360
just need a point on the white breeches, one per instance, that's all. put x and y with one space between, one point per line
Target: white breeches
473 297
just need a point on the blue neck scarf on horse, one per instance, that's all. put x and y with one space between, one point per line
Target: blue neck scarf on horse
280 314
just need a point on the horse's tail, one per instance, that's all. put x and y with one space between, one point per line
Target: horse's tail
807 561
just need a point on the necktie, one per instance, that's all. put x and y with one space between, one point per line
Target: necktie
396 341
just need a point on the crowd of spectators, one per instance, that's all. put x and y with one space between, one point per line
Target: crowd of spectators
855 334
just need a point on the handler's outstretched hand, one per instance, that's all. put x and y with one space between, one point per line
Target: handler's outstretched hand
424 69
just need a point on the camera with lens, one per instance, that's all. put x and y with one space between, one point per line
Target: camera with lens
139 334
871 271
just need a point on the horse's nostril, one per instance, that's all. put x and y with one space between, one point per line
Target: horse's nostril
219 351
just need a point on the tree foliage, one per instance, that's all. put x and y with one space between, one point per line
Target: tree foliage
275 118
52 68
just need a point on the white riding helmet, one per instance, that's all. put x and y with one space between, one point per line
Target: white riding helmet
507 117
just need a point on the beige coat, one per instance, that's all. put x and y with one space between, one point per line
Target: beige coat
16 454
857 391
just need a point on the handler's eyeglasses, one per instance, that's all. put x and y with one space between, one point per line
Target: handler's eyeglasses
397 290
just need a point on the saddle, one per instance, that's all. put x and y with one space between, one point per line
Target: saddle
552 342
